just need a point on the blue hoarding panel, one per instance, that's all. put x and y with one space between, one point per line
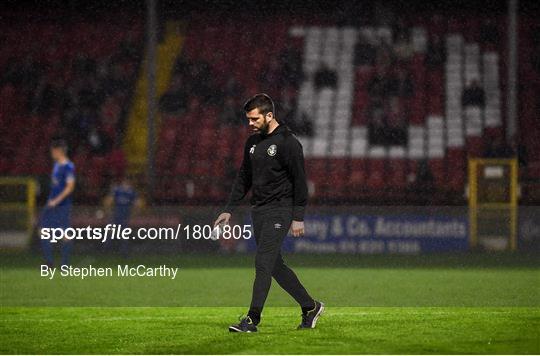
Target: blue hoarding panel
379 234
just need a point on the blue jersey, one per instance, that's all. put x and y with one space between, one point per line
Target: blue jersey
59 216
61 174
124 197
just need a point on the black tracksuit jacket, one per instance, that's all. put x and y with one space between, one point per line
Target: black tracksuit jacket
273 167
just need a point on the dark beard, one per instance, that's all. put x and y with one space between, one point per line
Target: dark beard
264 129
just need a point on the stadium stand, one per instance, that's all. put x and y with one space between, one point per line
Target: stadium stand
434 90
75 82
392 110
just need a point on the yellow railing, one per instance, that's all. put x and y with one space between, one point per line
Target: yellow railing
136 139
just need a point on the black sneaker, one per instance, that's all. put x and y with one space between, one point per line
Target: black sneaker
309 319
246 325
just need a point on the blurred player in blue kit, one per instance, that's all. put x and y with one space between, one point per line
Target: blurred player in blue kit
57 212
123 198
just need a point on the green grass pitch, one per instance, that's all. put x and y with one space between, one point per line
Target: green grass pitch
469 303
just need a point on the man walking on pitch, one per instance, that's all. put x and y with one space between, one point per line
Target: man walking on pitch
273 167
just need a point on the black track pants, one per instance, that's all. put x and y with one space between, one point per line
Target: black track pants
270 228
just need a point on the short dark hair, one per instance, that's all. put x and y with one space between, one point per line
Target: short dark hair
59 143
261 101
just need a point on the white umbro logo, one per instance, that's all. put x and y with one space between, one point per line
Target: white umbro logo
277 226
252 149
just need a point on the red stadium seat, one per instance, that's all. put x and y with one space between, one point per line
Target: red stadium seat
475 146
338 172
202 168
376 178
357 177
417 108
183 166
397 169
457 165
318 173
437 168
178 189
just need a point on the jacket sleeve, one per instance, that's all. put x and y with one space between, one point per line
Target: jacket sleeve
298 174
242 183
